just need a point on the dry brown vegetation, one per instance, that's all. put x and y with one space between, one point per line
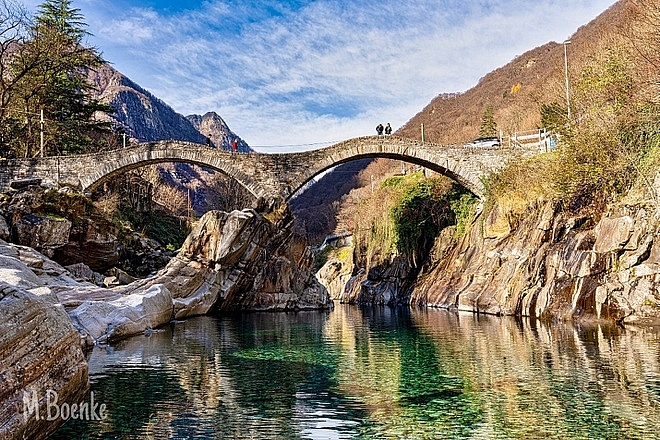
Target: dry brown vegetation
611 143
517 90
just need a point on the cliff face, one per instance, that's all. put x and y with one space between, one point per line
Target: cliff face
545 263
552 265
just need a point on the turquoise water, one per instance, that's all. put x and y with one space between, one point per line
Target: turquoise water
376 373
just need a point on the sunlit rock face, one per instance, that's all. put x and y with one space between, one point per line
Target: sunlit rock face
40 354
242 260
550 264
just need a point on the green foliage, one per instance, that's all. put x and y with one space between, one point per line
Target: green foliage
553 116
406 215
488 126
463 205
425 208
49 71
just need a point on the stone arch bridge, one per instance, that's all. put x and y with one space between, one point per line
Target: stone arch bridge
264 175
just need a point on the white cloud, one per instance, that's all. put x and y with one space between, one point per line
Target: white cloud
326 69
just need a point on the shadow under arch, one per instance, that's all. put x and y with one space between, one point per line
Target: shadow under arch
467 184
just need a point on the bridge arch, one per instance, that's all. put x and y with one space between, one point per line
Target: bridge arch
356 149
264 175
115 163
463 164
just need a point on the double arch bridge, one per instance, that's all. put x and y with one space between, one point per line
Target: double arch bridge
264 175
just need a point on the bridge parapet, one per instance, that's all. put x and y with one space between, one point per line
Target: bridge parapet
264 175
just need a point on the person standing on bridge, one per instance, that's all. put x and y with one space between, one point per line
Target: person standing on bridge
379 129
388 129
234 145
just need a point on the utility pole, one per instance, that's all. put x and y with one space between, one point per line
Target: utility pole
568 101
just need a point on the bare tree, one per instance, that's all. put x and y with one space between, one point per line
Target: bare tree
230 194
14 26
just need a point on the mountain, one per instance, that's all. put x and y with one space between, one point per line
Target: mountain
518 89
145 118
217 130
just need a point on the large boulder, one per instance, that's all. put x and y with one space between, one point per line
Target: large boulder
106 321
90 243
42 233
242 260
40 356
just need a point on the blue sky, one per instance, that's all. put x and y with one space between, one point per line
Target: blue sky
304 72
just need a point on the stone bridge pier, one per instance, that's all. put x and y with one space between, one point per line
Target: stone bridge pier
264 175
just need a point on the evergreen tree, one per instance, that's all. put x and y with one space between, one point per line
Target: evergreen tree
57 64
488 126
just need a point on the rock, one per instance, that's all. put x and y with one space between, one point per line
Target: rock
24 183
496 224
613 234
82 272
106 321
334 275
16 273
90 243
563 271
44 234
119 277
241 261
4 229
39 351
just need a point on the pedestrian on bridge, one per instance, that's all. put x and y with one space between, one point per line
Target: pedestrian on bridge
379 129
234 145
388 129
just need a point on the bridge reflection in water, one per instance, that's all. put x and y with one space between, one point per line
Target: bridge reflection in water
377 373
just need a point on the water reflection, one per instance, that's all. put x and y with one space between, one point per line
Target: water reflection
376 373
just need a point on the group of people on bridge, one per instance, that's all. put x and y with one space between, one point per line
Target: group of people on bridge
234 144
380 129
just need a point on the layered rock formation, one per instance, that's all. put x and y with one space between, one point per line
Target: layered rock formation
553 265
544 264
242 261
40 355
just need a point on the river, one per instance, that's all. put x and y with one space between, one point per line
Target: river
376 373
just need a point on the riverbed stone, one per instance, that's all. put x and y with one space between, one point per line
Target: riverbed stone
105 321
42 233
39 351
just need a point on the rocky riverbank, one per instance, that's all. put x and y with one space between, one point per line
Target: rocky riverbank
243 260
545 263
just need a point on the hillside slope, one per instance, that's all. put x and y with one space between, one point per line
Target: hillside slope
516 90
